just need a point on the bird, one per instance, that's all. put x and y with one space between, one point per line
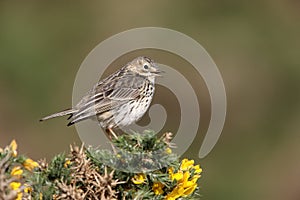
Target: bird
118 100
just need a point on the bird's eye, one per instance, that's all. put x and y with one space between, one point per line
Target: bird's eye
146 66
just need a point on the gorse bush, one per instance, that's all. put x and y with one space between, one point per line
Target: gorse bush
139 166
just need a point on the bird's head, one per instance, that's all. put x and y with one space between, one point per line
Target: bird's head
144 66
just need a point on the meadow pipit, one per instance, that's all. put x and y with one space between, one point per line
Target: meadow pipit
118 100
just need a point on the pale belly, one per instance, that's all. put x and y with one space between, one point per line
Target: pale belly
131 112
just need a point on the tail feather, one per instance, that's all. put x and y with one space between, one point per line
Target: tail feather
59 114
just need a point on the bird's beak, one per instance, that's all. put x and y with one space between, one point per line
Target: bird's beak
159 73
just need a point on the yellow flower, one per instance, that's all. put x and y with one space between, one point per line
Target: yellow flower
176 193
188 186
184 187
27 189
168 150
198 169
139 179
15 185
41 196
181 191
189 190
195 178
177 176
13 147
185 177
171 170
19 197
16 171
30 164
67 163
158 188
186 164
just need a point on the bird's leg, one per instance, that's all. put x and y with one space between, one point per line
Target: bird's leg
112 133
109 132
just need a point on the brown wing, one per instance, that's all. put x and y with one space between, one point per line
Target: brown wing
107 95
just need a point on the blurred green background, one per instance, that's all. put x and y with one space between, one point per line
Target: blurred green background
255 44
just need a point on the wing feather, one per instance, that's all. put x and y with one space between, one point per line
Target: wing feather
107 95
